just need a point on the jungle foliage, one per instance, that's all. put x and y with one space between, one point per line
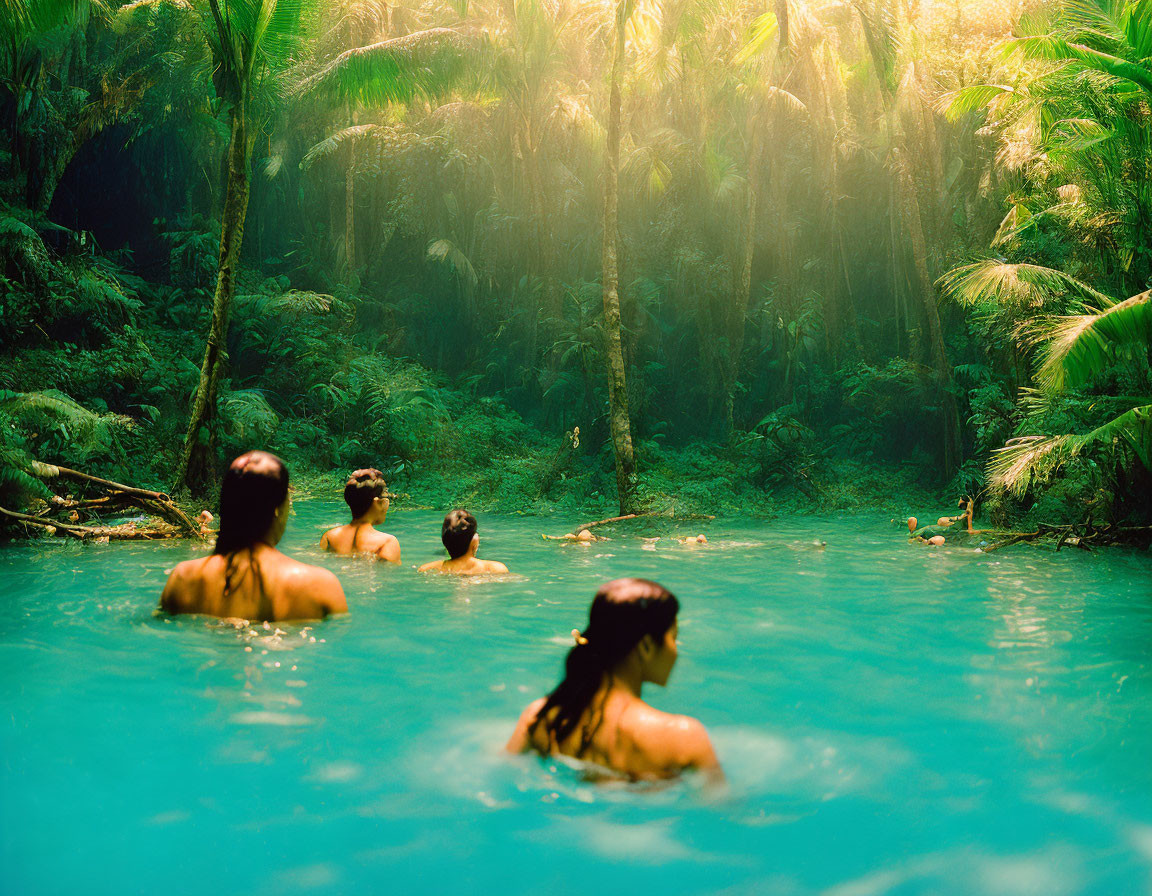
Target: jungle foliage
853 248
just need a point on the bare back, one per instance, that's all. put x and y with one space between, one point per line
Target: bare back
261 583
466 566
361 538
632 738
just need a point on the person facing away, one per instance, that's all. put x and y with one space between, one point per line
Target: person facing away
461 541
367 495
596 713
246 577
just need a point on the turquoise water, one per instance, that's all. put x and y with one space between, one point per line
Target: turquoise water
892 720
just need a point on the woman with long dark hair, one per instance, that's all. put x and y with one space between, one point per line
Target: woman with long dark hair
246 576
596 713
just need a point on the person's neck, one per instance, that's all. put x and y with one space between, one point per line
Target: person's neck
366 520
627 677
463 559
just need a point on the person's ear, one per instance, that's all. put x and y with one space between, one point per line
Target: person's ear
647 647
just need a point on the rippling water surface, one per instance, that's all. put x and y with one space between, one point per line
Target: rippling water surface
892 720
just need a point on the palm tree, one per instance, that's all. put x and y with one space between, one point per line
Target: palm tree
1069 128
1079 347
25 25
251 41
618 414
1076 122
1073 349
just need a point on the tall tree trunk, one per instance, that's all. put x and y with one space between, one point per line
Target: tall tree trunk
195 471
618 416
350 208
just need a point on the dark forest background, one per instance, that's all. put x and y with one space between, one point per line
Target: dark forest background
858 254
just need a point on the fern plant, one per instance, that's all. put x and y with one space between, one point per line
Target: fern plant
51 424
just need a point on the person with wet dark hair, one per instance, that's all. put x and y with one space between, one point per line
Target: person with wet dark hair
461 541
596 713
367 495
245 576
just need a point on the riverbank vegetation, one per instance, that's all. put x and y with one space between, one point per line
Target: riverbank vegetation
539 255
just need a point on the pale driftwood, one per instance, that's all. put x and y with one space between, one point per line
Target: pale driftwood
615 519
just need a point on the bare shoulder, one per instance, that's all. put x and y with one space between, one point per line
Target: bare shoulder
388 548
432 566
494 567
315 583
671 740
327 538
174 598
520 741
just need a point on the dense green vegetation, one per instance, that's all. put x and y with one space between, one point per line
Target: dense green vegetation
853 249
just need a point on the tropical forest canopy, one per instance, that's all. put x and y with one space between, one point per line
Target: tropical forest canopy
532 253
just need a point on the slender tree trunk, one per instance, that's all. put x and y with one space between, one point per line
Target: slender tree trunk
350 207
195 470
619 419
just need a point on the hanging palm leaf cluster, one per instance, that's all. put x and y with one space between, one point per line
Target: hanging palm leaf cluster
1076 115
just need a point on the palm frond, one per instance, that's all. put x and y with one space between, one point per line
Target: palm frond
448 253
1081 345
1024 285
143 12
333 142
395 70
975 98
761 36
1034 459
1055 49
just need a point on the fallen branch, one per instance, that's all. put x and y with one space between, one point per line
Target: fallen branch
157 503
1015 539
615 519
125 532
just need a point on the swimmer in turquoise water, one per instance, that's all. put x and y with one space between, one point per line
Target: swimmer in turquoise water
461 541
367 495
596 713
246 577
946 527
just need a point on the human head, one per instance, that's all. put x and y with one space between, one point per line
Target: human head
365 490
701 539
253 502
584 535
911 524
627 616
458 533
